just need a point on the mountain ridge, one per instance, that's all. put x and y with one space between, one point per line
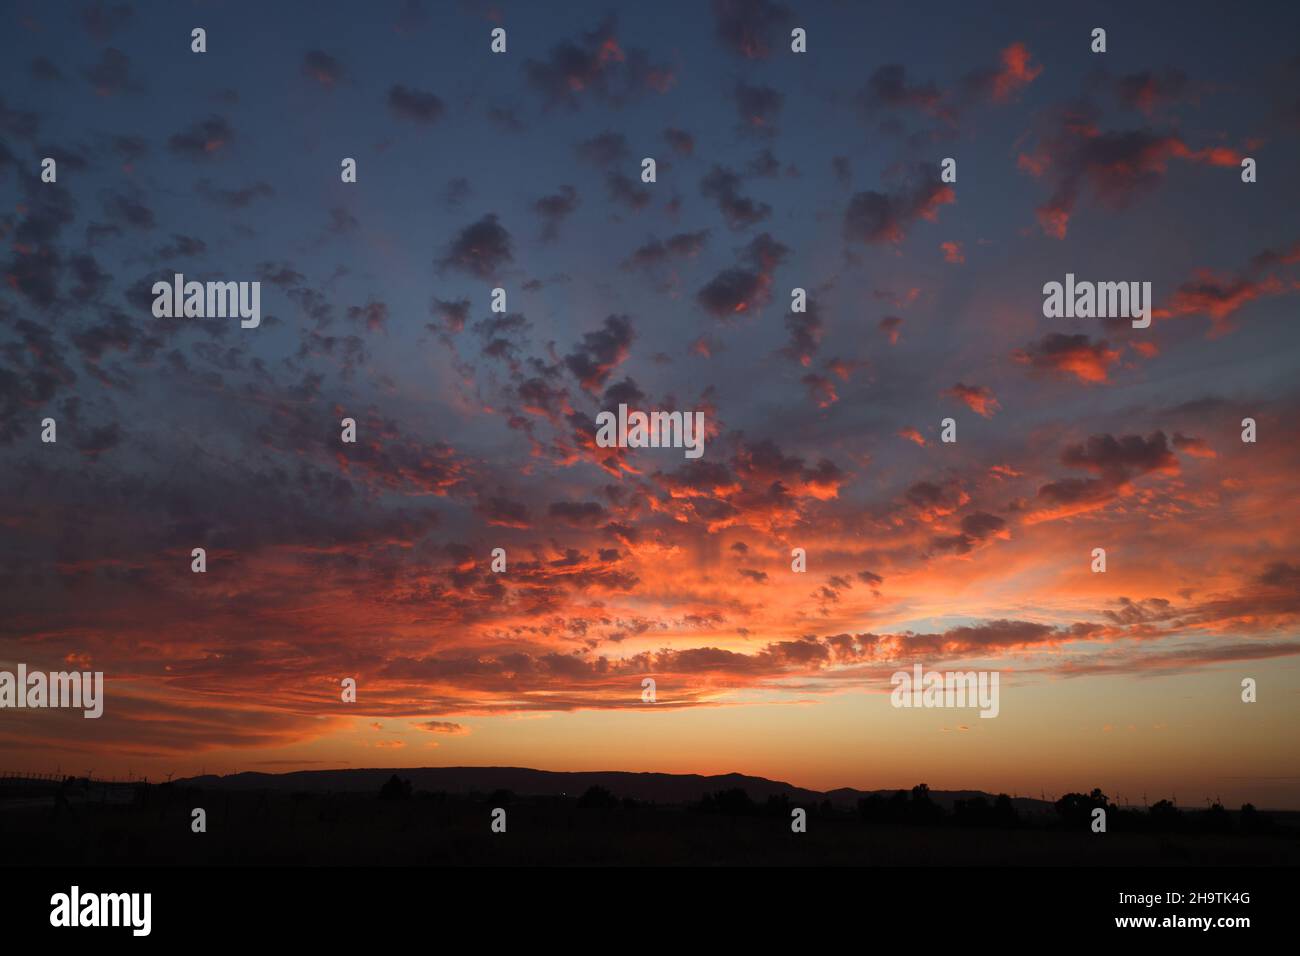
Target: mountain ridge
669 788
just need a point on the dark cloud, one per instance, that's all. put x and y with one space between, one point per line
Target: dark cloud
873 217
112 74
451 315
600 352
657 252
102 20
888 88
457 191
554 210
723 186
578 513
758 107
1121 458
604 150
805 332
625 392
22 124
1076 156
43 68
595 65
626 191
130 148
373 315
747 27
842 169
202 140
506 118
681 142
415 105
182 246
1148 91
746 287
481 249
324 69
234 198
1076 355
503 512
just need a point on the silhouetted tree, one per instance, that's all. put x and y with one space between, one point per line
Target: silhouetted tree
1254 822
1165 816
733 803
1005 813
1075 809
395 789
778 805
974 812
1216 819
922 809
598 798
872 809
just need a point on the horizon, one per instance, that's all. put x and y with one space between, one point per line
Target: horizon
470 570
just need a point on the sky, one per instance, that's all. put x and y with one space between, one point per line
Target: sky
775 170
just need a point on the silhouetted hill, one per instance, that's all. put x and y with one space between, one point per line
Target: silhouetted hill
665 788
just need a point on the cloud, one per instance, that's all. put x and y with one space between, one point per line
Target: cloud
1196 447
600 352
415 105
326 70
657 252
758 107
1015 71
578 513
1148 91
1115 166
234 198
480 249
112 74
1218 297
596 65
627 191
604 150
978 398
443 727
1116 462
876 217
102 20
502 512
1075 355
975 527
745 27
805 334
202 140
746 287
43 69
554 209
892 326
723 186
890 89
681 142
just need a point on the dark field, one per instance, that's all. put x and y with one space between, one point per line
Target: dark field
152 826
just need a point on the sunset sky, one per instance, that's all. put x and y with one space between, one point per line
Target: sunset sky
775 170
